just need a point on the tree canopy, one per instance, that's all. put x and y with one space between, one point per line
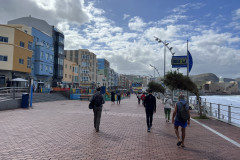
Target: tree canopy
156 87
176 80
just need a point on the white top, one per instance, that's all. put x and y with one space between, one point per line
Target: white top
168 103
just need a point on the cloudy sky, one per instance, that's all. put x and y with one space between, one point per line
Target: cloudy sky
122 31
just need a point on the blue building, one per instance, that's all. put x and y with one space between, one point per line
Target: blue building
58 46
42 59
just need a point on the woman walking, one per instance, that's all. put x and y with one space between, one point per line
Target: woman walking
167 107
113 97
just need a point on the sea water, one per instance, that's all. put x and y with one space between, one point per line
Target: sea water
224 101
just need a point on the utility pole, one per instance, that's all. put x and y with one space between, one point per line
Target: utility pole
187 70
164 58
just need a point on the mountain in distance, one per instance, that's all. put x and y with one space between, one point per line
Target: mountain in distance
202 78
237 79
205 77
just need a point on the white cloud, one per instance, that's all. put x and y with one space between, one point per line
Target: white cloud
236 14
185 7
136 24
131 52
125 16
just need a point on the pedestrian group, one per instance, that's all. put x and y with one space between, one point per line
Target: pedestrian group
180 116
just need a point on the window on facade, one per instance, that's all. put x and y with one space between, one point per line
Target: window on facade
60 39
65 75
65 65
3 58
60 50
41 54
47 55
75 78
30 45
84 78
46 69
21 61
70 76
70 67
85 71
29 62
21 44
51 57
3 39
60 61
51 68
41 67
85 64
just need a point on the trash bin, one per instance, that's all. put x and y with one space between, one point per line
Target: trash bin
25 102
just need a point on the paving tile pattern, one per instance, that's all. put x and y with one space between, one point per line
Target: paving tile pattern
64 130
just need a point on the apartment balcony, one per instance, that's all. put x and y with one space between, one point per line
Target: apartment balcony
39 44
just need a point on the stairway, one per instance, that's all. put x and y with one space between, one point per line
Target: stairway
47 97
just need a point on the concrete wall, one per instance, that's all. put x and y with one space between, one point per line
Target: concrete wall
10 104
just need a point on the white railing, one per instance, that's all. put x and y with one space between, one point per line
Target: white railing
227 113
7 93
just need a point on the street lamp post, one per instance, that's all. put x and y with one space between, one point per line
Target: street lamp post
165 46
154 70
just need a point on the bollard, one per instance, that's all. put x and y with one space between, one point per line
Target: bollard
218 111
229 114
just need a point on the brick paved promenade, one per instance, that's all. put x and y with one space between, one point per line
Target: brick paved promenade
64 130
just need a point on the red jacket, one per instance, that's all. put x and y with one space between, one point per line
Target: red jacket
143 97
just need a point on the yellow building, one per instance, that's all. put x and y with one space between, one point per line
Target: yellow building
15 53
70 74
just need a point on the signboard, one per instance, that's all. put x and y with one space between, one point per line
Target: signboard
178 92
181 61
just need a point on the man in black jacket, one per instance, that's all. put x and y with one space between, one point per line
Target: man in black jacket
97 100
150 107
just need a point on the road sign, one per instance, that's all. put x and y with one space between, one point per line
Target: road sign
181 61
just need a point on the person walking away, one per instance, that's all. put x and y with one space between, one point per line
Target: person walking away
167 108
98 100
113 97
118 97
143 98
181 117
150 107
139 97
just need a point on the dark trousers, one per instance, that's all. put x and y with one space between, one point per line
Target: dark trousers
97 116
118 99
149 116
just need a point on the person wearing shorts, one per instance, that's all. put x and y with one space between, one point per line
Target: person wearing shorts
177 122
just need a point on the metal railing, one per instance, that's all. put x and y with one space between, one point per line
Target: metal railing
7 93
227 113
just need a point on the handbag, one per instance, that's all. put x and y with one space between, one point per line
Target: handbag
90 106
